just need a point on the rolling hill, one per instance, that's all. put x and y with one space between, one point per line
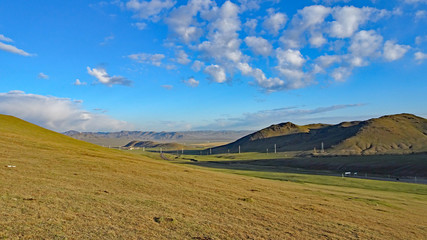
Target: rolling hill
56 187
393 134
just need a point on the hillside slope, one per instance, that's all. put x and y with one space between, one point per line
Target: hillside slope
401 133
56 187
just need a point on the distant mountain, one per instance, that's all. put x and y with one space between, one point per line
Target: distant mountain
123 137
393 134
151 144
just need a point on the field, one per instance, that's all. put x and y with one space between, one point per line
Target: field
61 188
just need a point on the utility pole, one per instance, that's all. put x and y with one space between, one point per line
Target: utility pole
275 149
182 151
322 150
160 150
210 151
239 149
143 149
267 151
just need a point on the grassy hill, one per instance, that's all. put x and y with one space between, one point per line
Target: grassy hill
401 134
56 187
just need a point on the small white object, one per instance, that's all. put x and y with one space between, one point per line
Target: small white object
11 166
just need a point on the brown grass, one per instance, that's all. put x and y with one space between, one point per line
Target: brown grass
65 189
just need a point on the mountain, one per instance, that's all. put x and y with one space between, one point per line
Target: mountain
151 144
123 137
393 134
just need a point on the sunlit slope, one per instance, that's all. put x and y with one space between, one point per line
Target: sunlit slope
64 188
401 133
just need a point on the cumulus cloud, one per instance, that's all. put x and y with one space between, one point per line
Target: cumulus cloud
103 77
58 114
349 18
216 73
149 10
191 82
79 83
197 65
393 51
182 57
259 45
275 22
42 76
264 118
366 43
146 58
420 56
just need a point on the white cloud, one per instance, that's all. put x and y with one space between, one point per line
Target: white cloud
420 14
259 45
191 82
197 65
79 83
420 39
5 39
366 43
309 19
248 5
103 77
275 22
290 58
167 87
182 57
107 40
149 9
140 25
216 73
349 18
340 74
146 58
420 56
393 51
43 76
415 1
182 20
13 49
250 26
58 114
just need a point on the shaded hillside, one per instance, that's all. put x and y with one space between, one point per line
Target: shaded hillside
402 133
56 187
151 144
123 137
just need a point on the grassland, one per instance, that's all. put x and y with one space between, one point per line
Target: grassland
62 188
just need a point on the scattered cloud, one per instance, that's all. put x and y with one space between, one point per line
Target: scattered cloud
149 10
415 1
216 73
42 76
167 87
11 48
79 83
58 114
5 39
146 58
420 56
107 40
140 25
197 65
275 22
182 57
191 82
103 77
420 14
259 45
393 51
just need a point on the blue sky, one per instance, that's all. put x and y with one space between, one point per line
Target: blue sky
169 65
